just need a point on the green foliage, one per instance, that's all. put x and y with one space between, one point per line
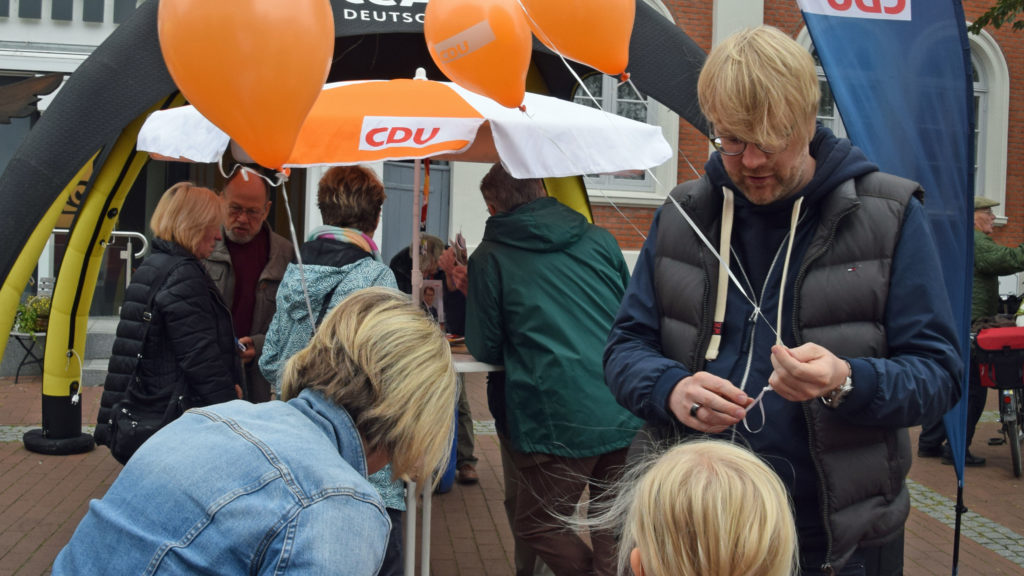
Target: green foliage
30 312
1003 12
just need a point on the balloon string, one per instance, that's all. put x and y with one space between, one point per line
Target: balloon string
548 42
623 78
298 256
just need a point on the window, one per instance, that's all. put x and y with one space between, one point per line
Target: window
980 113
991 113
828 112
623 100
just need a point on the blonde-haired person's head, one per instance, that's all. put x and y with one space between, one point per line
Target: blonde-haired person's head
184 213
431 248
389 366
351 197
708 507
760 86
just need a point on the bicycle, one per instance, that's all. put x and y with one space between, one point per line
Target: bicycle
1000 356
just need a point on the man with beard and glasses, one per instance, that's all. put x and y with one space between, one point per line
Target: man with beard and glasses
247 266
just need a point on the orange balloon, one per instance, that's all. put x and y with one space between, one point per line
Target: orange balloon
252 67
594 32
481 45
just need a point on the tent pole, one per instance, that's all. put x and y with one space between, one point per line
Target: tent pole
414 274
960 509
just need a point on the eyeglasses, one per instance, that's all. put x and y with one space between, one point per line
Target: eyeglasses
234 210
731 146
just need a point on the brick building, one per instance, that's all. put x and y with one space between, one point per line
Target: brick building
998 57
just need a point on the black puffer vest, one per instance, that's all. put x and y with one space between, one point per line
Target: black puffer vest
861 470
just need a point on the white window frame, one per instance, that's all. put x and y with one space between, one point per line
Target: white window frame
836 124
993 120
992 123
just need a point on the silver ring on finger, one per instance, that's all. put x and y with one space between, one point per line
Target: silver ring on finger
693 409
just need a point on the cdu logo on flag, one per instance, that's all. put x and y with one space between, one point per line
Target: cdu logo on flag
874 9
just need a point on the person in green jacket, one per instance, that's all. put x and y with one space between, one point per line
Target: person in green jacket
544 287
991 260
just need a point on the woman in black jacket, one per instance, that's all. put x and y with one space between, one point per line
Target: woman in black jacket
175 345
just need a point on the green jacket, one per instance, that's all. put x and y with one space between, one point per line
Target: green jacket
544 287
991 261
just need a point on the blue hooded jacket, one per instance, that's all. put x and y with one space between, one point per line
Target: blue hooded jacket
642 378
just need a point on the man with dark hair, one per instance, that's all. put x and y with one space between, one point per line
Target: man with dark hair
544 285
247 266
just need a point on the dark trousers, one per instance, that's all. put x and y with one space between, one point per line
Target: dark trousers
464 444
885 560
549 489
394 558
934 434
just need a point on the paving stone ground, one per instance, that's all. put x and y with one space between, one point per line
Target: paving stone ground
42 498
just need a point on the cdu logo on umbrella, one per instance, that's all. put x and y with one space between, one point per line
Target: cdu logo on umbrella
381 132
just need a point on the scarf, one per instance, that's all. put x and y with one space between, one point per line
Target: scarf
349 236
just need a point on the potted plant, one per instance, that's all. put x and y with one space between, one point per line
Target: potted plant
33 315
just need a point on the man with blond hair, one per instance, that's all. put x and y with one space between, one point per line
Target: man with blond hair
815 332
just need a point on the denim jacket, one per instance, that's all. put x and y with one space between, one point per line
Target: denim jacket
238 488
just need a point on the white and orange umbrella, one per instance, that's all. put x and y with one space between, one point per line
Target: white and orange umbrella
369 121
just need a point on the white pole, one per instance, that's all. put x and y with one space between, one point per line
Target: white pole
417 277
410 529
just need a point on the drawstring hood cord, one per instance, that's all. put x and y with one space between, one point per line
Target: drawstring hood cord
725 274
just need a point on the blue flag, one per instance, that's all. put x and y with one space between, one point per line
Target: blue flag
901 75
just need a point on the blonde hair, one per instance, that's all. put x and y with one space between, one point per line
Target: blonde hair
184 213
431 249
761 85
702 507
389 366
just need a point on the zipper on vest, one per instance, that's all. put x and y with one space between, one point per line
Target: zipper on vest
806 265
826 565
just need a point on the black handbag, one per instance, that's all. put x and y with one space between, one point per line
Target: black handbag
130 426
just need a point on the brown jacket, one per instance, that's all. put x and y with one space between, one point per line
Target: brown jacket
218 265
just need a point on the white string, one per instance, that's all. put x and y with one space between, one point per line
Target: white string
714 252
282 178
67 365
597 104
547 42
758 402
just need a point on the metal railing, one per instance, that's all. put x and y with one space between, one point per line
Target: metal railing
125 254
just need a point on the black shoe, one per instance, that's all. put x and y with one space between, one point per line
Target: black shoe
970 460
930 451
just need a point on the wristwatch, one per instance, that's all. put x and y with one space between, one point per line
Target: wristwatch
836 396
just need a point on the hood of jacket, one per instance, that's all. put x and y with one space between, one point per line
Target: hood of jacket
544 225
325 263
